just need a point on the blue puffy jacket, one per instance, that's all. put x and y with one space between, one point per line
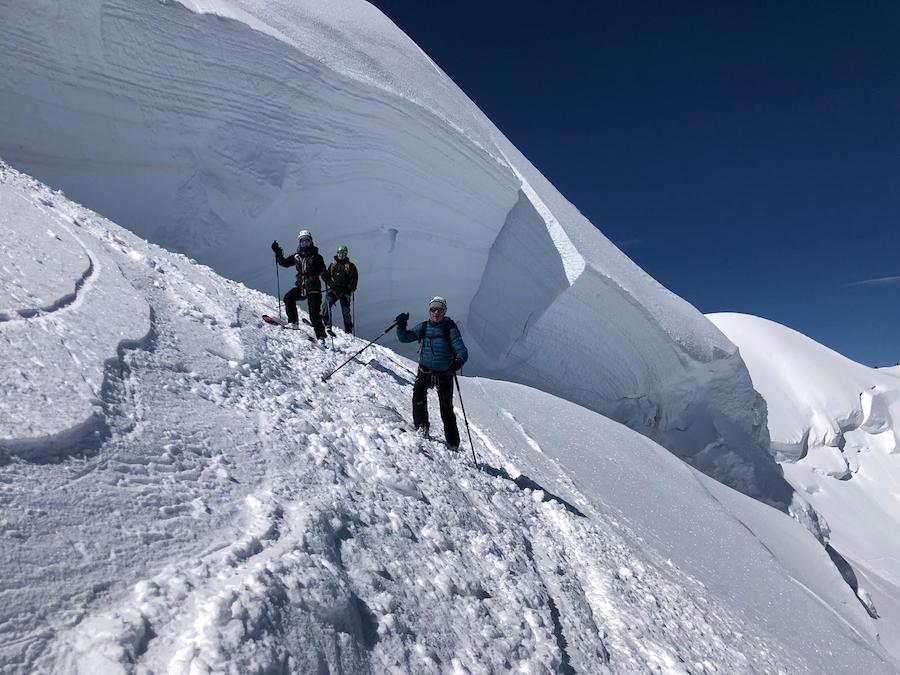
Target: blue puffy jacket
436 350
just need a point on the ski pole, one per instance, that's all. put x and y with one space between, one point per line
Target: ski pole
278 283
353 312
328 302
465 419
386 331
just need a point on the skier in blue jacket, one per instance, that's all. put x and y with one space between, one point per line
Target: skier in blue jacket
441 353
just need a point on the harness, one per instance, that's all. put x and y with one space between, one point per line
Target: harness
303 269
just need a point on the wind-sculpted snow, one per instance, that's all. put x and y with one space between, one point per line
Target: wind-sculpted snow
55 370
836 425
240 515
214 126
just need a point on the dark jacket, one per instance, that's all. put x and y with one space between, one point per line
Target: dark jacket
343 276
439 342
310 267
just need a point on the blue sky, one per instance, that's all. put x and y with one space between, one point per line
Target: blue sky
747 155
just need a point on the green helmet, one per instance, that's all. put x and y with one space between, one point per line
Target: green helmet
342 248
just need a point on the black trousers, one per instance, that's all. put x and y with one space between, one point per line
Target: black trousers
345 309
444 384
314 302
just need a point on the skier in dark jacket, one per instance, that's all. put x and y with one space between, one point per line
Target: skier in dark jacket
343 279
310 267
441 353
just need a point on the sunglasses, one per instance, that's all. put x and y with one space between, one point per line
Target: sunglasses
436 310
305 242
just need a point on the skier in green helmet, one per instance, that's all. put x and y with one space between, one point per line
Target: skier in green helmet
344 277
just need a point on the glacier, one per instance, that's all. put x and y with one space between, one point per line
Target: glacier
835 424
212 127
227 511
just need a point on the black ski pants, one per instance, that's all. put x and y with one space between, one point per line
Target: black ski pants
314 303
443 382
333 297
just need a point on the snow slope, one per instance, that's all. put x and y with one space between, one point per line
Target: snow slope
49 274
836 425
237 514
214 126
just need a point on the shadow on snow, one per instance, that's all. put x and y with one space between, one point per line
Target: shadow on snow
523 482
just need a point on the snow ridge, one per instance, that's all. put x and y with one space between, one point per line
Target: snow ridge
572 261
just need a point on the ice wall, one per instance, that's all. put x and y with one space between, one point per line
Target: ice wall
213 127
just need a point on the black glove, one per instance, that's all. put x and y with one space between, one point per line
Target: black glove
402 320
455 363
277 249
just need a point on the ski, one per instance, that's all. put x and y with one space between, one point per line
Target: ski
272 320
277 322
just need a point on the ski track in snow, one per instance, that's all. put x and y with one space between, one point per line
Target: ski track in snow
354 518
70 298
240 515
531 442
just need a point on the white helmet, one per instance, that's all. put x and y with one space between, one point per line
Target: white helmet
438 301
304 234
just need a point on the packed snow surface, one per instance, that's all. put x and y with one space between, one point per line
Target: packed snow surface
214 127
836 425
207 504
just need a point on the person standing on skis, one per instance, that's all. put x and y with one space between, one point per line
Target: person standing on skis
441 353
310 268
343 279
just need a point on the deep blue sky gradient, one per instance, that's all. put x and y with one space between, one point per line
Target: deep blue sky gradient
746 155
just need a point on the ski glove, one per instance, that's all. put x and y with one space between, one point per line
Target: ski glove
402 320
455 363
277 249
